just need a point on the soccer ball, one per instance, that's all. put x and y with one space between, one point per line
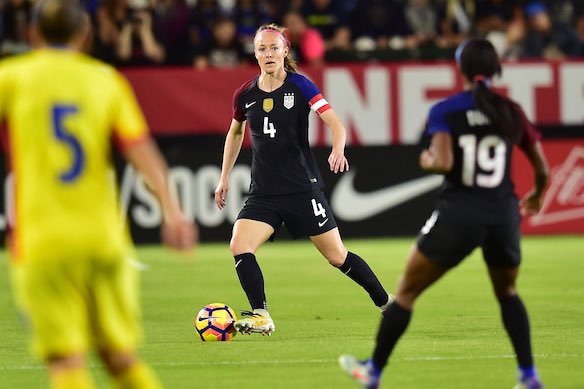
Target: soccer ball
215 322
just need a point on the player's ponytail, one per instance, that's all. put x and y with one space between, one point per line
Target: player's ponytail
479 62
290 64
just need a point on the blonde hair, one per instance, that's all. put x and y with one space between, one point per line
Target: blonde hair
290 64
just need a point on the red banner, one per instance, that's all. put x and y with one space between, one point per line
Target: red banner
563 209
380 104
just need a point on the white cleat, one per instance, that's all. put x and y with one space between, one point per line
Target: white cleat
258 322
529 383
383 308
360 371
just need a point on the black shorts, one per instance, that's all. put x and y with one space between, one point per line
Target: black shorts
304 214
453 231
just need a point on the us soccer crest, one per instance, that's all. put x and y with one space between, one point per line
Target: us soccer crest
268 104
288 100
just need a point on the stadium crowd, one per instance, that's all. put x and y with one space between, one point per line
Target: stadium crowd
219 33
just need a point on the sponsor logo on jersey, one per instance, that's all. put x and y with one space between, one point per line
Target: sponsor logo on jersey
268 104
351 205
288 100
247 105
564 200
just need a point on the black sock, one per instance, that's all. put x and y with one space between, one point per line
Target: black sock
393 325
252 280
358 270
517 325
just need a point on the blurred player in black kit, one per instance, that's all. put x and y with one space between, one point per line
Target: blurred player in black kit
472 138
286 186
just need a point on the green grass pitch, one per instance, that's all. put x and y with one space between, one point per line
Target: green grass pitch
455 340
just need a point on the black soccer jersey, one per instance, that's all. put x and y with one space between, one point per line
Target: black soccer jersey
282 162
482 158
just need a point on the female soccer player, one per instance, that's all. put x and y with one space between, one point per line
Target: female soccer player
70 253
286 186
472 138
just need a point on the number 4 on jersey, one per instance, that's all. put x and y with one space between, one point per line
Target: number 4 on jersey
318 208
269 128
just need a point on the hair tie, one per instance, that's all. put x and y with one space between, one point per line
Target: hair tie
274 30
482 78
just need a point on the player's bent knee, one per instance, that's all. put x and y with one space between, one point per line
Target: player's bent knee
336 261
237 248
406 300
505 293
335 258
407 293
118 362
58 363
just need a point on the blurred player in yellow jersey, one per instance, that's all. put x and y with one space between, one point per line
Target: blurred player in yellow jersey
70 249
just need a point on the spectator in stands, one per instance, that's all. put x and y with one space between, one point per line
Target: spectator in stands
570 12
1 22
496 15
455 21
249 14
422 20
378 24
275 9
16 19
579 22
109 17
502 23
138 45
173 25
331 20
562 11
548 39
223 49
306 43
90 6
203 16
125 34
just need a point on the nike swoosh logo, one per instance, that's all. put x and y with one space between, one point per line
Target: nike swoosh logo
322 223
237 263
353 206
247 105
215 317
208 318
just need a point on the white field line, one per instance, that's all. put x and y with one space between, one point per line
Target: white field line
422 358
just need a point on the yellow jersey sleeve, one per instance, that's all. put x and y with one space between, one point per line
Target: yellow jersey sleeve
129 122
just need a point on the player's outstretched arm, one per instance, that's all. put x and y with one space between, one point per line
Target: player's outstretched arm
233 143
177 230
532 202
337 160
